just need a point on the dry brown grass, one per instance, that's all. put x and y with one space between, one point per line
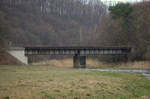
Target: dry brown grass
68 62
95 63
136 65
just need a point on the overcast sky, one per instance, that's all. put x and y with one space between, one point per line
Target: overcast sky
130 1
122 0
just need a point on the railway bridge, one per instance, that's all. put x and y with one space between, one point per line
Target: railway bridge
79 53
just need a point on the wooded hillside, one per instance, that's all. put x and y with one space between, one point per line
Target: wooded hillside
50 22
128 25
76 23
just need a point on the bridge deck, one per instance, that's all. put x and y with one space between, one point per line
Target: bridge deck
46 50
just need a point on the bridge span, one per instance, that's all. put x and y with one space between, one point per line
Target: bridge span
79 53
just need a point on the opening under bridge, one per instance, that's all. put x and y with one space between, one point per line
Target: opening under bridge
79 53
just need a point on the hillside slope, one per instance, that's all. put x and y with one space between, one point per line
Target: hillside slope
61 23
7 59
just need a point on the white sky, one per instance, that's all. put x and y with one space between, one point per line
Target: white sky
122 0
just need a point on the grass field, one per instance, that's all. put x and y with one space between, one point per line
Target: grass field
46 82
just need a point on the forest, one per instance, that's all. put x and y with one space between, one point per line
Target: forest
76 23
50 22
128 25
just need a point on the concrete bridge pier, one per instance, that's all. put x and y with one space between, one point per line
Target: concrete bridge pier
79 61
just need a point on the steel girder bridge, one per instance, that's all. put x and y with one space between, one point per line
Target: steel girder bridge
79 53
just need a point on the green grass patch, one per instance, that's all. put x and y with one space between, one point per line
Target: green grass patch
46 82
